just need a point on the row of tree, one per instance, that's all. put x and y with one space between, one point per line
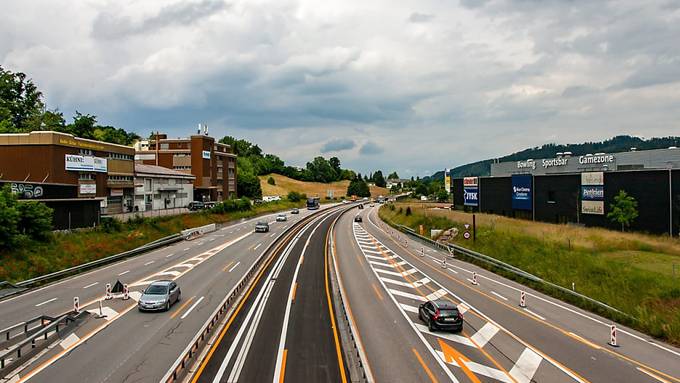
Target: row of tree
22 110
22 220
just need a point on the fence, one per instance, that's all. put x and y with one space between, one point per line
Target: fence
149 213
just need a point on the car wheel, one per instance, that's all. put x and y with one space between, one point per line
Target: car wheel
420 316
167 305
430 326
179 296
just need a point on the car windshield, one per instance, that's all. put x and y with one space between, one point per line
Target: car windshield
156 290
444 313
262 223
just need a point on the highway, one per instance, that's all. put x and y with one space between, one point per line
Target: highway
132 346
386 277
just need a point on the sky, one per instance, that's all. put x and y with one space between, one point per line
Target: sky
408 86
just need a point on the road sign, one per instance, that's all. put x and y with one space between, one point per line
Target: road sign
466 235
467 226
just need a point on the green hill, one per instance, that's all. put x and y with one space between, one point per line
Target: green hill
613 145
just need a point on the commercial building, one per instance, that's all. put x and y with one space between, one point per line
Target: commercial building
211 163
580 189
158 188
78 178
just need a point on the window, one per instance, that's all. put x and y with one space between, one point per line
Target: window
86 176
148 184
551 196
85 152
165 146
119 156
182 167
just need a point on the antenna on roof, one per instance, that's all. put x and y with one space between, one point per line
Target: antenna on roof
205 129
198 131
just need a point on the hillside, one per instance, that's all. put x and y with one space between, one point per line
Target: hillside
285 185
613 145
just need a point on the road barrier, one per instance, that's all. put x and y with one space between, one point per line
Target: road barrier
198 231
444 263
495 263
108 294
422 251
522 299
474 278
612 336
126 292
76 305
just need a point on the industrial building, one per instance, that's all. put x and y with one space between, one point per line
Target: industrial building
158 188
580 189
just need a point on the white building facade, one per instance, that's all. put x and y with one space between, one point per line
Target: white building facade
158 188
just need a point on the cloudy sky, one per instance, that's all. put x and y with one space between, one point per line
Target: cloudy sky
412 86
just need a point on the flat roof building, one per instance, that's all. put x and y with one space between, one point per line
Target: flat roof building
158 188
211 163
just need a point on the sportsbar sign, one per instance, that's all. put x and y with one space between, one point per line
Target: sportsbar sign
471 191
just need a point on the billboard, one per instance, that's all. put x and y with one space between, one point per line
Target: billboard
80 163
471 191
447 180
522 198
206 154
592 193
88 188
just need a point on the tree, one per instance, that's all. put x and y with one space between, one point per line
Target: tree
9 217
294 196
442 195
421 189
271 181
394 189
623 210
393 176
359 188
379 179
35 219
335 164
21 102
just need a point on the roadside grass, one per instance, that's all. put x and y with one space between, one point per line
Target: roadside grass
631 272
284 185
63 250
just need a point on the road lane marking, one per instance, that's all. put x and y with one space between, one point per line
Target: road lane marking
186 314
294 292
436 295
171 254
534 314
233 267
445 335
187 249
124 272
451 355
227 265
407 295
642 370
427 369
409 308
46 302
584 340
272 235
283 366
258 245
69 341
381 258
148 263
405 284
526 366
377 292
481 369
498 295
484 334
90 285
179 310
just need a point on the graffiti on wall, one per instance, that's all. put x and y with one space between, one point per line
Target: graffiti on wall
27 190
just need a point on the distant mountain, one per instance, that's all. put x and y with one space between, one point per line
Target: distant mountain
613 145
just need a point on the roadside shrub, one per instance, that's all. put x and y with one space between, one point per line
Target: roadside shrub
271 181
231 205
294 196
110 225
408 210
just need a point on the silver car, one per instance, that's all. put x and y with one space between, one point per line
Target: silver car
159 295
281 218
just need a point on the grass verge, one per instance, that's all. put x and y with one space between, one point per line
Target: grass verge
630 272
63 250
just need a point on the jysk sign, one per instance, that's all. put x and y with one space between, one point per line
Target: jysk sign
521 192
206 154
471 191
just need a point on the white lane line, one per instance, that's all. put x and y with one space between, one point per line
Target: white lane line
445 335
148 263
171 254
273 234
187 249
388 272
523 371
90 285
380 258
46 302
406 295
480 369
258 245
124 272
405 284
409 308
186 314
642 370
69 341
187 265
436 295
233 267
484 335
173 273
498 295
534 314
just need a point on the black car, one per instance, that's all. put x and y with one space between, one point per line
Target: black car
358 219
361 206
262 227
441 315
196 205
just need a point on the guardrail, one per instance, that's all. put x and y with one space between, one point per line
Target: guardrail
12 332
28 346
196 231
507 267
23 285
193 348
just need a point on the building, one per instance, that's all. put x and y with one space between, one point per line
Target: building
580 189
395 182
212 164
78 178
158 188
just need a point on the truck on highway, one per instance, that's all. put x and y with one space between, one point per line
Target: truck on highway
312 203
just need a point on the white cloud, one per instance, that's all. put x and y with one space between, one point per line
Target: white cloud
426 85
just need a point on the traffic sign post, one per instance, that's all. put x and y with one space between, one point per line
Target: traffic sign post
612 336
522 299
474 278
466 234
76 305
108 292
126 292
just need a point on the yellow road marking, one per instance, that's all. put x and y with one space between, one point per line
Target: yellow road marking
181 307
225 268
283 366
427 369
338 351
452 355
377 292
294 291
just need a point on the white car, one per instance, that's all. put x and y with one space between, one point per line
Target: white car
281 218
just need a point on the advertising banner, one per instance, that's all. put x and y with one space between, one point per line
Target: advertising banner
88 188
80 163
206 154
592 193
592 207
522 198
470 181
447 180
100 165
471 196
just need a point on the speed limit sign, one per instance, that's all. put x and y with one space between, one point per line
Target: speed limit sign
466 235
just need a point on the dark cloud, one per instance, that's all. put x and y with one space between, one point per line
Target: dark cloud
420 17
370 148
656 74
338 144
111 26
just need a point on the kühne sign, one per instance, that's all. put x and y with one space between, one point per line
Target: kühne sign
80 163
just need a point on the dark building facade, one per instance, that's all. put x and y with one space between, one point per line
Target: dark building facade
212 163
580 195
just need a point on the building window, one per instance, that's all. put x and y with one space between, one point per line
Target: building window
119 156
85 152
86 176
182 167
148 184
551 196
165 146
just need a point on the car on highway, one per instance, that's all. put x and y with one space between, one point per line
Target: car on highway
372 204
281 217
262 227
295 211
441 315
358 219
196 205
361 206
159 295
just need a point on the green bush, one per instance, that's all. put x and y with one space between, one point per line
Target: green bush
110 225
29 219
294 196
271 181
230 205
408 210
